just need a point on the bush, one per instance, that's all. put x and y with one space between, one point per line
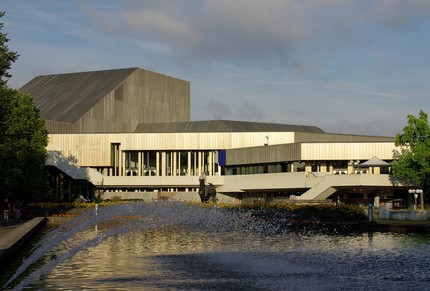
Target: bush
304 212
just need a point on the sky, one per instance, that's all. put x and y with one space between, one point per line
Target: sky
346 66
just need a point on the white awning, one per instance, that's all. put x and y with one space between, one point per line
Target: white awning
374 162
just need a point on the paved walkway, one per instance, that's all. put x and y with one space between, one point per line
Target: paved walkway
12 224
7 228
13 235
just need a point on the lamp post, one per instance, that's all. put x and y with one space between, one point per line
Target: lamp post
416 192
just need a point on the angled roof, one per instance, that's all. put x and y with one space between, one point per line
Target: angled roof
223 126
374 162
66 97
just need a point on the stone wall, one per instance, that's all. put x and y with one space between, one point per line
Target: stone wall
386 212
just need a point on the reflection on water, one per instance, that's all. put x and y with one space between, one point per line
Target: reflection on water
175 250
179 259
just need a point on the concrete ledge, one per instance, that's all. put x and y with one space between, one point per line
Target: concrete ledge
11 241
399 226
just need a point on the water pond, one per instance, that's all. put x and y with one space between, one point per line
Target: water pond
174 246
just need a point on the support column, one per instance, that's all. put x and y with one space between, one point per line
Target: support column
174 164
308 167
210 164
350 168
216 165
139 163
194 165
157 164
163 164
189 163
323 167
200 162
116 160
376 201
142 163
119 161
177 164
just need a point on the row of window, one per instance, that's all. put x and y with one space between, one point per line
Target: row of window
163 163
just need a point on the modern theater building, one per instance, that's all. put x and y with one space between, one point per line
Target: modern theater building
127 133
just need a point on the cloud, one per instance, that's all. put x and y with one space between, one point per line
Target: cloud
344 65
375 126
244 112
253 29
219 110
399 13
215 30
250 112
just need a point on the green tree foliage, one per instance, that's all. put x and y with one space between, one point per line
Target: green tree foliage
6 57
23 142
23 137
413 164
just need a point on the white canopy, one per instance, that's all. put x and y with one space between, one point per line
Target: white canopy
374 162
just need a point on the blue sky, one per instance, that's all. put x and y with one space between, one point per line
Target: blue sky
357 66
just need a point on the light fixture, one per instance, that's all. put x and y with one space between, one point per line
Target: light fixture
416 192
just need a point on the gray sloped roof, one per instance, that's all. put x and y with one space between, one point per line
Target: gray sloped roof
374 162
67 97
223 126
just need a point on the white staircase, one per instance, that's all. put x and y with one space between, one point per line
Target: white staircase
73 170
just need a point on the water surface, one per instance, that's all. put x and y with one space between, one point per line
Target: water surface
174 246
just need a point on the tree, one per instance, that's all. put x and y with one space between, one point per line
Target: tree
6 57
22 146
23 137
413 164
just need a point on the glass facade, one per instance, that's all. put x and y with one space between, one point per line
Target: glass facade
163 163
